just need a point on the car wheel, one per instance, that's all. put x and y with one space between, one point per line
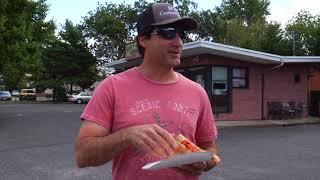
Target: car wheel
79 101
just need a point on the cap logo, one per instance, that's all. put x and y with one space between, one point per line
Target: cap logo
171 11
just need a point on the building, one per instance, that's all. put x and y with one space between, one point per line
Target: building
241 82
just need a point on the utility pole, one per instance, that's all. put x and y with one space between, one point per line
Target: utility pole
293 34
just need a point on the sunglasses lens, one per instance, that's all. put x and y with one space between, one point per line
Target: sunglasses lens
167 33
170 33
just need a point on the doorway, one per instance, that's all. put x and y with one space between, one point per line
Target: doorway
314 103
221 89
216 81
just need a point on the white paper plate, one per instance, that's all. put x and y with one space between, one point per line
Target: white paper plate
178 160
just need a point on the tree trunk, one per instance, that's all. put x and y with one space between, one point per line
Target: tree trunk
71 89
54 94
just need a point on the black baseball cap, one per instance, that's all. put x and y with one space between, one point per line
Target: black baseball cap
162 14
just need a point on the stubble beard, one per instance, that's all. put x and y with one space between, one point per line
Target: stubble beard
175 63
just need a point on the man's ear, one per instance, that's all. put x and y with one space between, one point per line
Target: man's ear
142 41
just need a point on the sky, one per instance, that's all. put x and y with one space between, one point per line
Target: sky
281 10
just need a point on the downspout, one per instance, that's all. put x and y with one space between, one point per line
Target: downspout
262 82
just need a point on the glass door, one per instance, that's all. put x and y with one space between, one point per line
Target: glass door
220 89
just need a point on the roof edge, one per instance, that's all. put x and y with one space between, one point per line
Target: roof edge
208 46
301 59
232 49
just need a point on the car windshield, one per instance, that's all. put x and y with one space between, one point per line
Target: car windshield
27 91
4 92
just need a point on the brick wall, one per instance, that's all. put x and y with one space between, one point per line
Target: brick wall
280 85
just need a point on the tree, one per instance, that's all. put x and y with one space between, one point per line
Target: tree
68 60
243 24
211 27
306 29
274 40
249 11
109 28
238 23
23 35
84 61
186 8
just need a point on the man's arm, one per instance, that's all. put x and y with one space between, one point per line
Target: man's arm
96 145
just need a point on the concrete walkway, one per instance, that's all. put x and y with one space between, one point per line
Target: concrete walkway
266 123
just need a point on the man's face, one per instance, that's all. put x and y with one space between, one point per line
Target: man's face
164 46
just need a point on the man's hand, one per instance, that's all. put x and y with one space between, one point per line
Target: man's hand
210 164
194 169
199 168
151 138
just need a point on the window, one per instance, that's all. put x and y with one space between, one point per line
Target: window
240 78
219 80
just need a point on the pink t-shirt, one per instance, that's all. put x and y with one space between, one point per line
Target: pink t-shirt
128 99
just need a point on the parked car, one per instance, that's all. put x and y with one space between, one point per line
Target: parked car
15 93
28 94
82 97
5 95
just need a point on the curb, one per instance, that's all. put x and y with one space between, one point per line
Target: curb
276 124
297 124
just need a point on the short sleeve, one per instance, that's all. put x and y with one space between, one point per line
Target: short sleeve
101 105
206 129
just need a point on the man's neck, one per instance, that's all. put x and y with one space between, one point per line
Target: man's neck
158 73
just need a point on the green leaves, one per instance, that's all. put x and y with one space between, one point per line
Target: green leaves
28 44
249 11
109 27
23 34
68 61
242 23
306 28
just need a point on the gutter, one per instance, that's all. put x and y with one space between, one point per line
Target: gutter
275 67
262 83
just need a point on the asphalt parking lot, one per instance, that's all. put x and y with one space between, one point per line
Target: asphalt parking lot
37 143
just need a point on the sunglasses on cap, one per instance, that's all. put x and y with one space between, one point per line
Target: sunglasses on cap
169 33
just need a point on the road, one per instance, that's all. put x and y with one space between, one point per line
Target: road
37 143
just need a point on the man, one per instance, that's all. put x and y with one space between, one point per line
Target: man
133 116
